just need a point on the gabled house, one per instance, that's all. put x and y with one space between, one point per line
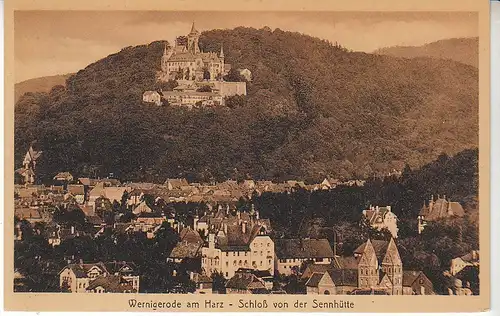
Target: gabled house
116 277
244 282
204 283
175 184
142 208
440 208
459 263
238 244
380 218
320 283
78 192
417 283
291 253
152 97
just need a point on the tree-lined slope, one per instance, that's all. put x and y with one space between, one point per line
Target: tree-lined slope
313 109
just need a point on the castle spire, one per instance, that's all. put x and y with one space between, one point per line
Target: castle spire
165 49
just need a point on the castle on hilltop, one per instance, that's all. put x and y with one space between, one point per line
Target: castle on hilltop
185 61
199 76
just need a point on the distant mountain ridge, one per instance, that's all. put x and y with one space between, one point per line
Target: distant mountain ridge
463 50
40 84
313 109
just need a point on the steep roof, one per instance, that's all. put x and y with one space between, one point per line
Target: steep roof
142 208
236 240
176 183
303 248
346 262
315 279
441 208
111 283
81 269
76 189
149 93
190 235
380 247
184 249
409 277
344 277
98 189
245 281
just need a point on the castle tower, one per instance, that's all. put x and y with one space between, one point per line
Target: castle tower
164 59
193 38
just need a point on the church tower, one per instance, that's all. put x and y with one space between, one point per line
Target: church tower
368 267
393 267
193 38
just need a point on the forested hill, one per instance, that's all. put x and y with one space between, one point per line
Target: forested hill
464 50
313 109
40 84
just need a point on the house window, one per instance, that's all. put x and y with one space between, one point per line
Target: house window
227 274
261 263
234 263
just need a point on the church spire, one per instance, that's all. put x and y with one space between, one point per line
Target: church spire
193 29
165 49
221 54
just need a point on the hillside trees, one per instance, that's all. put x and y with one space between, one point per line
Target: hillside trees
312 110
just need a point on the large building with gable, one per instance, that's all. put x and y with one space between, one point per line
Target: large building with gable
185 61
236 241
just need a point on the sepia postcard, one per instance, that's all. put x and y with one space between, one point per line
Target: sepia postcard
264 156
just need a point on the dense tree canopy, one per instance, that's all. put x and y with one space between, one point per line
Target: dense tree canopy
313 109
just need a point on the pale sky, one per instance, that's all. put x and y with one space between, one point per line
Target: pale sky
60 42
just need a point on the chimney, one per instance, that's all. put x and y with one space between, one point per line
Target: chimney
244 227
72 230
388 207
238 213
191 275
257 214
